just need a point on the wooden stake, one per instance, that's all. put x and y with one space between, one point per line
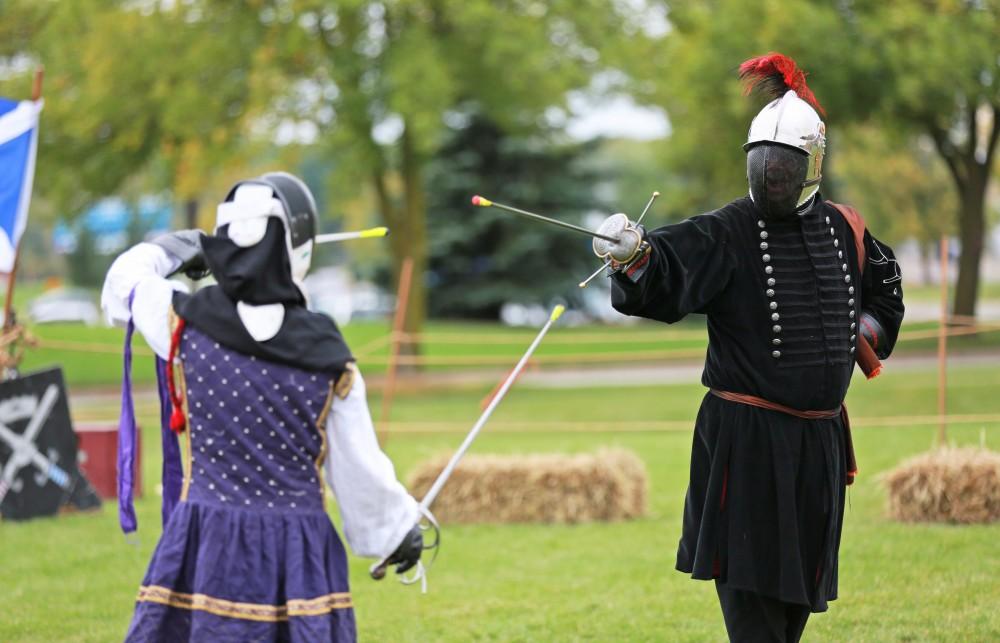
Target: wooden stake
943 346
398 323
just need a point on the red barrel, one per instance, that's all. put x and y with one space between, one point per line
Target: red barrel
97 457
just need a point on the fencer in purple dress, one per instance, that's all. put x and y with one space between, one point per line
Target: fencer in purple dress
268 402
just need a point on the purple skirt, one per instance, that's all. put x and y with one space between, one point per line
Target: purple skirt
221 574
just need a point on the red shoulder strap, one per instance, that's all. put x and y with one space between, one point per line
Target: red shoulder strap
866 357
857 227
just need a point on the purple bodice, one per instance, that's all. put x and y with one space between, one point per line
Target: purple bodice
257 434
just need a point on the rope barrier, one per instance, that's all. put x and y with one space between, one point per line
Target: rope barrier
625 356
665 426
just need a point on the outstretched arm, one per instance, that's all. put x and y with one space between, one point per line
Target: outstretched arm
881 297
686 267
377 511
140 273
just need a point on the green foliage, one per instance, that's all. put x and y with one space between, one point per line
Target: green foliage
131 88
908 69
483 257
86 266
899 183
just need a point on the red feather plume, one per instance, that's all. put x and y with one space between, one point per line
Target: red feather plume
776 74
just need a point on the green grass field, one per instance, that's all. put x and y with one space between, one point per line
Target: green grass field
74 578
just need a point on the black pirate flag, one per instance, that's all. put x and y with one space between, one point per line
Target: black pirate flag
38 472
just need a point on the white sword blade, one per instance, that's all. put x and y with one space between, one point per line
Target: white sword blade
378 569
370 233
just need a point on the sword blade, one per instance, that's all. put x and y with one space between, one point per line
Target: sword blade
378 570
486 203
583 284
370 233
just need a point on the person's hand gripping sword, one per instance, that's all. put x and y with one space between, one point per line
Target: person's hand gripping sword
408 552
631 243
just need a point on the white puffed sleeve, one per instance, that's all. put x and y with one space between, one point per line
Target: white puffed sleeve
142 269
376 509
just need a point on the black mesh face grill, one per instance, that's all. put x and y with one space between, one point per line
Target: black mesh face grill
776 174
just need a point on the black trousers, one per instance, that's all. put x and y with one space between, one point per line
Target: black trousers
752 618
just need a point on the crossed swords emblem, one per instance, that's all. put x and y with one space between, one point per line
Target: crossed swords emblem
24 452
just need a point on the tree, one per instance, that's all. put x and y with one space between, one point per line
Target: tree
941 77
386 80
914 68
131 88
901 186
482 258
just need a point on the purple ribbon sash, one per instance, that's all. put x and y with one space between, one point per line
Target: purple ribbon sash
126 438
172 473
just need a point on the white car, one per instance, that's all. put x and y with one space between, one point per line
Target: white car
64 305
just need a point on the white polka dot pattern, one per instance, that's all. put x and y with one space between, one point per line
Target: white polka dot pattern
253 442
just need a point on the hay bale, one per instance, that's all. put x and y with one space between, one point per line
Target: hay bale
953 485
609 485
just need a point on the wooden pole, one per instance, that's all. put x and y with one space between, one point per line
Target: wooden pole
943 347
8 303
398 323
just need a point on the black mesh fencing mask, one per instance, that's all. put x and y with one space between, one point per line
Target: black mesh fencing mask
776 174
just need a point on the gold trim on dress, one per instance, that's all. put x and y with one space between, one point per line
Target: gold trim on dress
321 427
188 467
248 611
346 380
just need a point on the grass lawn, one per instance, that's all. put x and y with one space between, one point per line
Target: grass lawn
74 578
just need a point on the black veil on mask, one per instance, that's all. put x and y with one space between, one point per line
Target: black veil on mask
258 275
776 174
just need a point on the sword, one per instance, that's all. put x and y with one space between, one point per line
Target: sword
486 203
370 233
583 284
378 570
24 451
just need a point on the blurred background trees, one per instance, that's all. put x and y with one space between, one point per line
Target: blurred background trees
397 111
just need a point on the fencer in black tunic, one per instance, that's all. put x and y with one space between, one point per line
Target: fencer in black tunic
783 300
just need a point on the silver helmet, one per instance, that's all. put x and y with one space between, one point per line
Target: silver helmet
790 120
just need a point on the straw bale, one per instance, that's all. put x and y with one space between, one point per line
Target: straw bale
951 485
609 485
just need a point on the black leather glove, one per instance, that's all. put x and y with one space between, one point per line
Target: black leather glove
874 333
185 245
408 552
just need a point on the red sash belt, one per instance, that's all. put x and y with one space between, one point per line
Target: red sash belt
753 400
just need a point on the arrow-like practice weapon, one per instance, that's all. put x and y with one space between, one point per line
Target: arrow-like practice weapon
378 570
25 452
370 233
607 264
486 203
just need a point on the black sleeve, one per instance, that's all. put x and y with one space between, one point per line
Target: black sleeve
689 264
882 291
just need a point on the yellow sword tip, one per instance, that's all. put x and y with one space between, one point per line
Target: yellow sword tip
371 233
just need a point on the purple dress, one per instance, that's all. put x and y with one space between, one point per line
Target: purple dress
249 554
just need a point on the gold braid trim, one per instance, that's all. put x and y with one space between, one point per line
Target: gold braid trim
187 466
346 380
247 611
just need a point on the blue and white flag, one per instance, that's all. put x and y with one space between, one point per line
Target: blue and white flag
18 140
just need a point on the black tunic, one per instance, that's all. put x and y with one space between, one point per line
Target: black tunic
765 503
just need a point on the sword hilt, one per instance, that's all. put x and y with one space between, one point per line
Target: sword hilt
379 569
